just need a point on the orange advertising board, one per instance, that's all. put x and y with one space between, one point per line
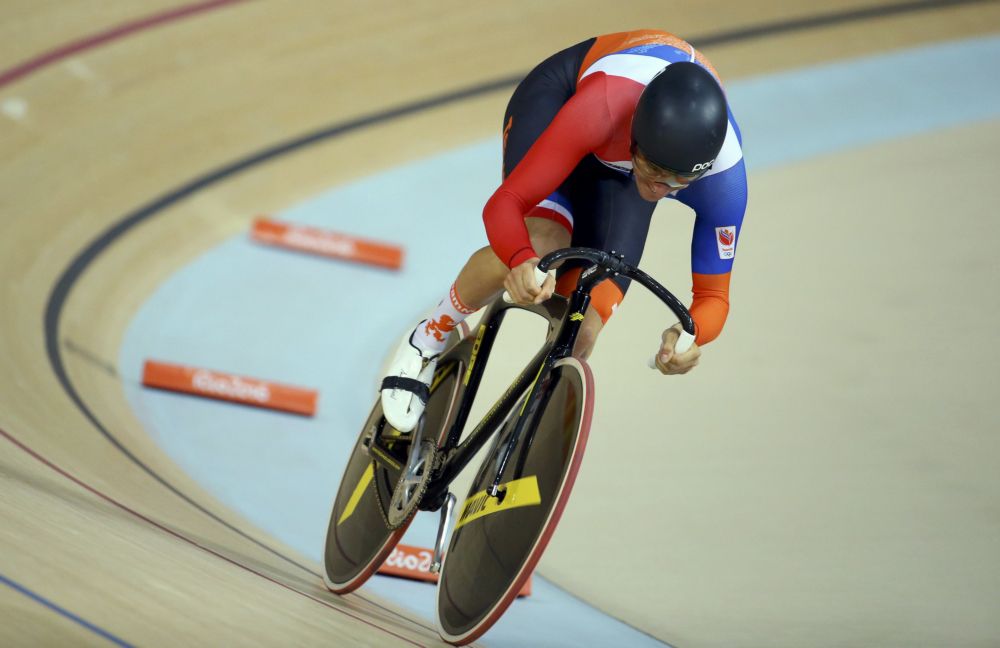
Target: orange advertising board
411 562
223 386
325 243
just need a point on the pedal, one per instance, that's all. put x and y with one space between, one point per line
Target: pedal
446 514
390 435
366 441
380 431
389 454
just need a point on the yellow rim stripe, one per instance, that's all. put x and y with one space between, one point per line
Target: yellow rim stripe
359 490
520 492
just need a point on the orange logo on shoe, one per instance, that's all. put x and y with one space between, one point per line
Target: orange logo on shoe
440 328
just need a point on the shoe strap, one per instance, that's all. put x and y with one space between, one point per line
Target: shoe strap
412 385
425 354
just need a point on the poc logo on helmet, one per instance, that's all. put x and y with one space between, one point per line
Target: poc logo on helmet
703 166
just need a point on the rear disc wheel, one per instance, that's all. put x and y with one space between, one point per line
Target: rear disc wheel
497 541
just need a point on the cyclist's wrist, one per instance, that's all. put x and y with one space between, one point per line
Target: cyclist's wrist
522 255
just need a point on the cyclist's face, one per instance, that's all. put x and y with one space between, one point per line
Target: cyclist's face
652 181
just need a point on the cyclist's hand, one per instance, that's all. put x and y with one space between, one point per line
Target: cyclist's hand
670 362
522 285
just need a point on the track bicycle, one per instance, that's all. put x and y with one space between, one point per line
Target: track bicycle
539 428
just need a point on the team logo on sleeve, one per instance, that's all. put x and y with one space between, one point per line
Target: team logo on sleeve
725 238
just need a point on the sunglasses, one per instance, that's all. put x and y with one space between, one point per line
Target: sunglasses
672 179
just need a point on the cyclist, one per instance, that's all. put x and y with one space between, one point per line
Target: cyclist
593 137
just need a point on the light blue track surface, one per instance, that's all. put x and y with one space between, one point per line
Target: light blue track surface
256 311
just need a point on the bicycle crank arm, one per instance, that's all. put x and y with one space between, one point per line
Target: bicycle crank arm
446 515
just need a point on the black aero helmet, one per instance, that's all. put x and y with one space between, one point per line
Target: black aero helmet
680 121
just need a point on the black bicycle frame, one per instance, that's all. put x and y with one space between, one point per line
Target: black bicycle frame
565 317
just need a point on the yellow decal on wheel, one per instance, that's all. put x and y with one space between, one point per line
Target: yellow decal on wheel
359 490
518 493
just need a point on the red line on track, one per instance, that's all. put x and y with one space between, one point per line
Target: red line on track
188 540
30 66
24 69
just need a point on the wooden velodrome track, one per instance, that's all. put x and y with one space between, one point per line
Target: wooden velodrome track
775 523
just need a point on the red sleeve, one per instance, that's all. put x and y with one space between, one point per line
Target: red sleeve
710 305
582 125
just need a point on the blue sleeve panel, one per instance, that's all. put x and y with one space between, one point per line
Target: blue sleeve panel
718 201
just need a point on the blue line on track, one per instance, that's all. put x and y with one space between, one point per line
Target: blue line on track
63 611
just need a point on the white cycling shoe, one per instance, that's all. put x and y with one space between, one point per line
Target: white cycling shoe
406 386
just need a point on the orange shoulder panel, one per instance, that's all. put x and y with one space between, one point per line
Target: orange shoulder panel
611 43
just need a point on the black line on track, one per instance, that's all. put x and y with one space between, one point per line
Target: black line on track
828 20
76 269
90 357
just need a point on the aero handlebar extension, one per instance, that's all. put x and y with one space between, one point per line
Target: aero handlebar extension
609 263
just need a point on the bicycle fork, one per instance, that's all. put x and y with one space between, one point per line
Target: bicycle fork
509 445
565 340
